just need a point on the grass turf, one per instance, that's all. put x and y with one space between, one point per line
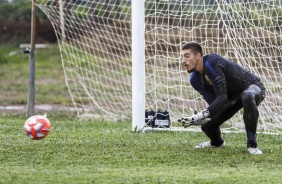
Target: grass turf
84 151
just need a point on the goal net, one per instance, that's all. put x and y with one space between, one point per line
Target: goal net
95 40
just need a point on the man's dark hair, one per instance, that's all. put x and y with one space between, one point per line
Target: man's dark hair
195 47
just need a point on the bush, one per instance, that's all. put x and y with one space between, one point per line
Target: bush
20 11
15 24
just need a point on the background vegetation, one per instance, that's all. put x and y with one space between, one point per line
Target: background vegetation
15 19
14 77
14 71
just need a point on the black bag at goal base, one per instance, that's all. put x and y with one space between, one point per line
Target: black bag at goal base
159 119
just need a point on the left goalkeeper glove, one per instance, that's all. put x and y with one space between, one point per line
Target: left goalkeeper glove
198 118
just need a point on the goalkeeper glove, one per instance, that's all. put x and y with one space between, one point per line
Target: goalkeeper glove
198 118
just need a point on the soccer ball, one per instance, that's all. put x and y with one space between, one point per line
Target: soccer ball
37 127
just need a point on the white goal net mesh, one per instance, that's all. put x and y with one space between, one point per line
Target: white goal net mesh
95 43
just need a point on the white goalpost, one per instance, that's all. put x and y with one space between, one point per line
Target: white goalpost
122 57
138 65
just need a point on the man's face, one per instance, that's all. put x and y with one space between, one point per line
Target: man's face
190 60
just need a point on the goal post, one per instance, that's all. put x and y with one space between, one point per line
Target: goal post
138 65
122 57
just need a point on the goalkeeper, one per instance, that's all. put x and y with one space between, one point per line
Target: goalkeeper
226 87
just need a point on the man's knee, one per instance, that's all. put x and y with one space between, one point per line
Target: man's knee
247 97
253 95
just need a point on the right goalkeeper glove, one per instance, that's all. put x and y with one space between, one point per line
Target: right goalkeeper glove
186 122
198 118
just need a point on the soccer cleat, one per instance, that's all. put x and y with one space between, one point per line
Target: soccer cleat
254 151
208 145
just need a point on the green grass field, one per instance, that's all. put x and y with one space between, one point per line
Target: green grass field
84 151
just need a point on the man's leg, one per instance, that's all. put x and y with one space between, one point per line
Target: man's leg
211 128
251 98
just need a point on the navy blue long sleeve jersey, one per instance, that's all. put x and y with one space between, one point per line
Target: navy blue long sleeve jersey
222 80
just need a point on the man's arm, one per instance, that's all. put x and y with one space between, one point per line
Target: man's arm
215 72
